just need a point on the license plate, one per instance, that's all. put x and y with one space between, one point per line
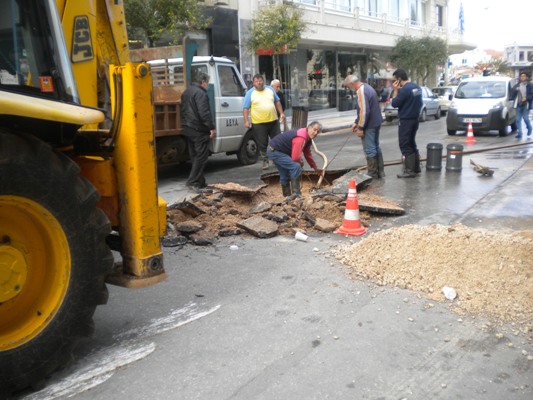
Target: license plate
473 120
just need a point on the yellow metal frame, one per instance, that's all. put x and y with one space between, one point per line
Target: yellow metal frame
134 160
96 37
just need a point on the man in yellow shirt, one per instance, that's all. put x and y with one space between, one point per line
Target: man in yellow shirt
260 110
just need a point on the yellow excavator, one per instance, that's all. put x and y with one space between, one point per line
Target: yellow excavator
77 178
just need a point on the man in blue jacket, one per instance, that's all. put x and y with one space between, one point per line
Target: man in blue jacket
407 97
198 128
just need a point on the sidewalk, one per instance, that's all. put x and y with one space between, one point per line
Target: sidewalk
330 119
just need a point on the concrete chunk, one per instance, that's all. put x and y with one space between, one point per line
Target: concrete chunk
259 227
324 225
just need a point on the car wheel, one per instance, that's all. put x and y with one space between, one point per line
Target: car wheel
452 132
423 116
503 130
437 115
388 119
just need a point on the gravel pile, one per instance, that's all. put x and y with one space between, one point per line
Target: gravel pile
491 272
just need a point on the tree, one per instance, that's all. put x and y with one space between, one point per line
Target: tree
150 19
277 28
419 57
495 66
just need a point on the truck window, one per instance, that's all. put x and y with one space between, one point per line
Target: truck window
199 69
230 85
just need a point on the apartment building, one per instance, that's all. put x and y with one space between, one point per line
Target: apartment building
519 56
344 37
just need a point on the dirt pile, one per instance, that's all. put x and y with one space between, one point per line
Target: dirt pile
491 272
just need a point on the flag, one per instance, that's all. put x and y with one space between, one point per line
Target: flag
461 19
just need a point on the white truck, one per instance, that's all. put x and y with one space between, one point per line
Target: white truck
171 74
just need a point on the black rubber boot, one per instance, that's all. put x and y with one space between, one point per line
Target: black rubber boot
372 167
381 165
286 189
417 163
408 167
296 185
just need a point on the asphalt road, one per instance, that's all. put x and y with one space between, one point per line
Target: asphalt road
279 319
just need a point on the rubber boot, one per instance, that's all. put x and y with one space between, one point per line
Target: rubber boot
296 185
381 165
408 167
286 189
417 163
372 167
266 164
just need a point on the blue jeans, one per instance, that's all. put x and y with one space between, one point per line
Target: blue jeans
287 168
522 113
371 142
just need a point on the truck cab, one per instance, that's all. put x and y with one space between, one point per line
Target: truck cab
226 93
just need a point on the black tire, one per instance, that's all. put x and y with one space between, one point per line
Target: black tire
451 132
437 115
423 116
388 119
46 202
503 130
248 152
171 150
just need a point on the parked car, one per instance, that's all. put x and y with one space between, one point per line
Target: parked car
485 102
445 96
430 106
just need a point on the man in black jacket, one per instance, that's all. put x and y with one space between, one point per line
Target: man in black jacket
198 128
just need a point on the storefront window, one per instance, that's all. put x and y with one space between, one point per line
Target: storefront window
314 78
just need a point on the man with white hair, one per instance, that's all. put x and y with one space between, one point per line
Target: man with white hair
367 124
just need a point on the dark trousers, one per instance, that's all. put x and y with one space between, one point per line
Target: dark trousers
264 131
198 144
407 129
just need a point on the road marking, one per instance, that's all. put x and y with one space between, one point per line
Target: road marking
174 320
100 366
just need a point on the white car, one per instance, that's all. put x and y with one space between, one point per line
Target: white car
445 96
485 102
430 107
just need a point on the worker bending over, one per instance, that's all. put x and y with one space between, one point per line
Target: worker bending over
286 152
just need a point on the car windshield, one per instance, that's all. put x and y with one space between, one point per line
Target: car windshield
477 90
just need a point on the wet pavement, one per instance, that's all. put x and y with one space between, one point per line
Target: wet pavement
504 200
279 319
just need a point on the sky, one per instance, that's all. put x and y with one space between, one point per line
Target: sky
492 24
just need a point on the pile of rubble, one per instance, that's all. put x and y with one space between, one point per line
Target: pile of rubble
232 209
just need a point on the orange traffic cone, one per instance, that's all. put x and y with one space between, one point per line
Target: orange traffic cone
352 224
470 134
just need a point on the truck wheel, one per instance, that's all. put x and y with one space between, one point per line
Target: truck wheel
249 152
171 150
53 256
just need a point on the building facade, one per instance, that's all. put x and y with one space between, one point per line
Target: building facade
344 37
520 58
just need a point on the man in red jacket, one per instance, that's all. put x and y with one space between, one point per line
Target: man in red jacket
286 152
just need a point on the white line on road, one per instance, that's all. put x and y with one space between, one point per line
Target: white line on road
98 367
